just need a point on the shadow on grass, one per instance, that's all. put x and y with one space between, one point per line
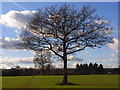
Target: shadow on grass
68 83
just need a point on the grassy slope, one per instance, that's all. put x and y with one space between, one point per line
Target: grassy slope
84 81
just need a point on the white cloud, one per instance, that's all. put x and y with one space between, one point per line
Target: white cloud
110 66
16 19
17 31
74 64
101 21
85 52
58 65
10 43
114 46
74 58
8 62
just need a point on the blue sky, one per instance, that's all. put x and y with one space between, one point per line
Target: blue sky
104 55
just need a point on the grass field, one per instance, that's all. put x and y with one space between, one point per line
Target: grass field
84 81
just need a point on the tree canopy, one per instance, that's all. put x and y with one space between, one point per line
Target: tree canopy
65 30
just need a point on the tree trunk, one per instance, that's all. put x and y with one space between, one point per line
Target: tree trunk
65 78
42 70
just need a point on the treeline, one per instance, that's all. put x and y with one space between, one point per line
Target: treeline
18 71
81 69
87 69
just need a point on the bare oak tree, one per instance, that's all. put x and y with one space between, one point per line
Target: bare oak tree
65 30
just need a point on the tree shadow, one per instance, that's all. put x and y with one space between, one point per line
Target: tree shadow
68 83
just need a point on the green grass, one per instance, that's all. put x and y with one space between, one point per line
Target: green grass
84 81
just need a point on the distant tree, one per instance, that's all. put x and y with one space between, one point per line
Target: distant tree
95 65
101 69
18 67
81 69
85 65
85 69
48 68
77 66
101 66
41 59
91 67
66 30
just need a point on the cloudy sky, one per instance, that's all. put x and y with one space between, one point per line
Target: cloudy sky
16 15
